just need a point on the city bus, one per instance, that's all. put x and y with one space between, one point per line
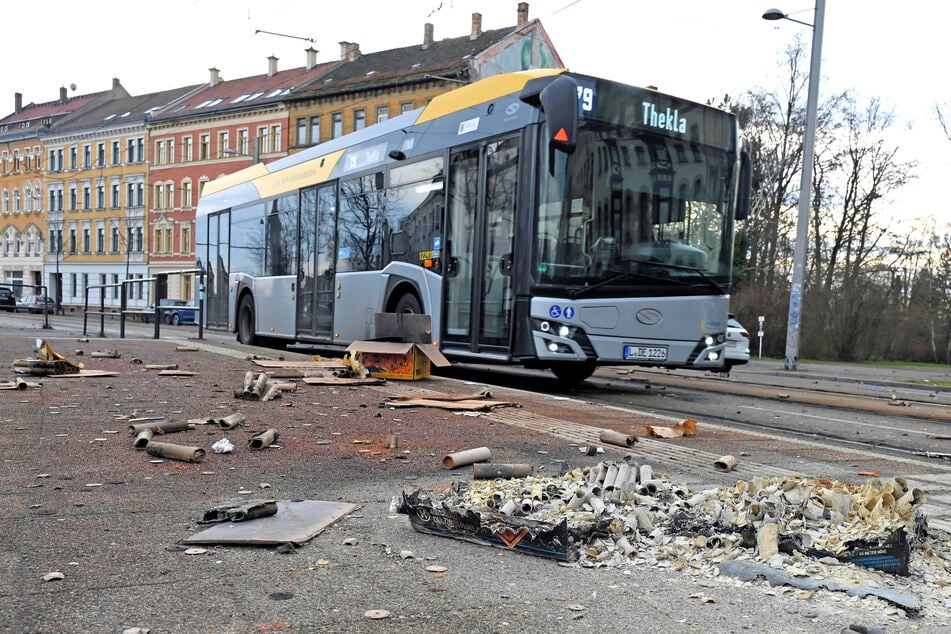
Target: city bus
541 218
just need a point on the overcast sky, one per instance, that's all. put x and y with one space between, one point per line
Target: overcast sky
697 49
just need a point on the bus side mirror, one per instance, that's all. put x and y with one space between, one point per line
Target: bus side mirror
559 101
745 185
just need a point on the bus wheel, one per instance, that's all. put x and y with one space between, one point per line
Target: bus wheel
246 321
408 304
573 371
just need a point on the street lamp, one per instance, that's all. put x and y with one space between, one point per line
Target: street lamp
805 187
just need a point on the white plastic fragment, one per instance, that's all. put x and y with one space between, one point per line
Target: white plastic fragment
223 446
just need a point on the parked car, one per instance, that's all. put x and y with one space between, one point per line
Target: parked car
149 310
35 304
8 301
737 344
184 313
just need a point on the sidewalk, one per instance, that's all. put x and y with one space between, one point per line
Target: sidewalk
77 498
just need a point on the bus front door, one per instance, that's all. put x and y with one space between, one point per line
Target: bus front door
315 273
482 198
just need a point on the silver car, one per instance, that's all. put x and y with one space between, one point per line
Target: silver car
737 344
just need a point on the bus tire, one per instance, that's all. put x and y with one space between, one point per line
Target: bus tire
573 371
408 303
246 321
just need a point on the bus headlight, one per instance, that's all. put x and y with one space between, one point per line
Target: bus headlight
708 340
713 356
552 346
564 331
544 326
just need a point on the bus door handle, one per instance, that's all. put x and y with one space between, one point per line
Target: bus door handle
505 264
452 267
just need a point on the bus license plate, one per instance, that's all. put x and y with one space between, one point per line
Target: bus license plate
645 353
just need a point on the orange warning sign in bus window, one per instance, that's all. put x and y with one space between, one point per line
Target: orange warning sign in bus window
561 135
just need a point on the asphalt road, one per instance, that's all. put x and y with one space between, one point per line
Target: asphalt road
76 498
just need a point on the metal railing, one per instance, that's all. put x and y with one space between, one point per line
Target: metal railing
158 309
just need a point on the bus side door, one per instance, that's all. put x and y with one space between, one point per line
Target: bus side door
481 224
315 274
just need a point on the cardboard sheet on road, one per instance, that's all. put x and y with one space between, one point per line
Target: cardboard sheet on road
82 374
341 380
330 363
295 523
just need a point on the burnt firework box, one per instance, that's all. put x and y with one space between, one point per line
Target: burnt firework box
397 360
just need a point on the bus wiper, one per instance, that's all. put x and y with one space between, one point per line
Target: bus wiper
617 276
680 267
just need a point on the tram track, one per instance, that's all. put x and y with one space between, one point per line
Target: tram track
695 396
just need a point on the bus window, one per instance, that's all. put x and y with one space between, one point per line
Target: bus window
413 213
281 257
360 225
247 240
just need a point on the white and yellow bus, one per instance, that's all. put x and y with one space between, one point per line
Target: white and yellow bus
542 218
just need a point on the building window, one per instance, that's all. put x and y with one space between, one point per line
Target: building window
87 157
115 195
159 197
275 139
130 151
115 239
72 285
169 244
186 195
100 240
382 113
243 141
86 240
314 130
204 147
336 122
406 107
100 196
158 247
359 119
72 241
87 198
170 195
73 199
301 131
115 286
223 144
186 233
101 154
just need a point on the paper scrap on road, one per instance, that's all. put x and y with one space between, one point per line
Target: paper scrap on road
684 428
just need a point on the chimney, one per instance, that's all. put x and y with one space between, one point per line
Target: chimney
427 35
271 66
522 13
214 78
476 26
17 102
62 93
311 57
349 51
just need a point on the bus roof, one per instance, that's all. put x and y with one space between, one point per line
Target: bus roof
316 163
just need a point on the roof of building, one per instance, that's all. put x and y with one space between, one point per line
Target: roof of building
123 110
449 58
244 93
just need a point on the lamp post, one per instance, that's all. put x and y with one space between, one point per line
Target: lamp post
805 187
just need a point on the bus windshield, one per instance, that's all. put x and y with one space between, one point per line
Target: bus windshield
636 208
